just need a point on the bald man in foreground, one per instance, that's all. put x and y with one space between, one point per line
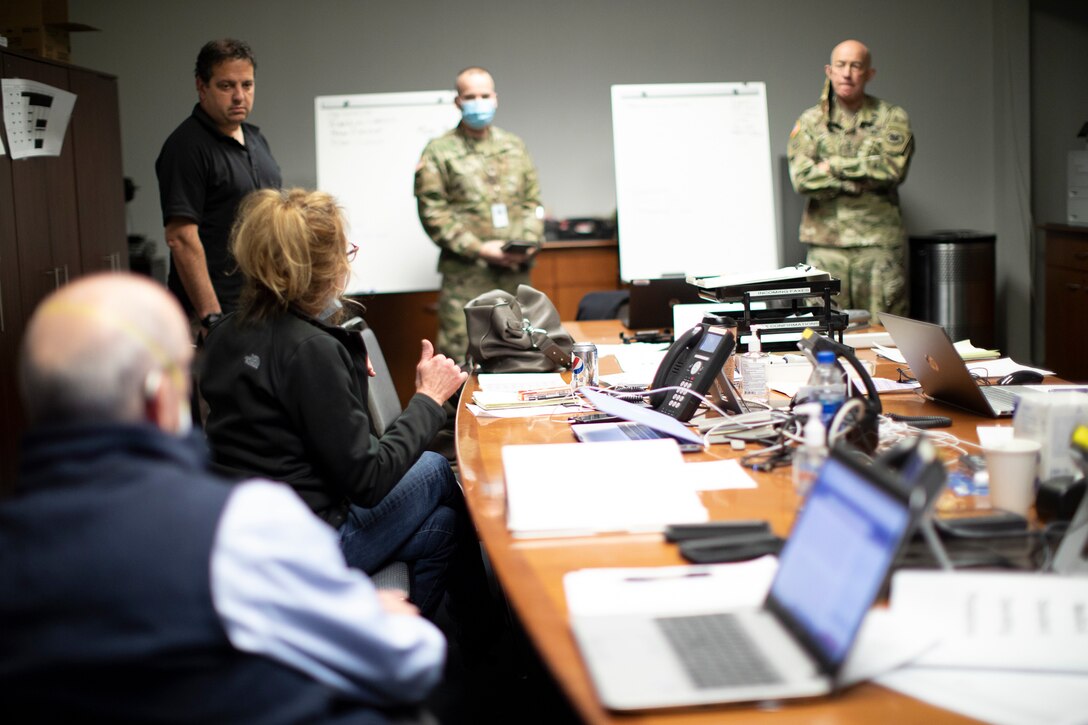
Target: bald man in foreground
137 587
847 156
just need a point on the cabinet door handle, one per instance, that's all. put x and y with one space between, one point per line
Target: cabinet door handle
65 274
55 274
108 259
1080 255
1072 286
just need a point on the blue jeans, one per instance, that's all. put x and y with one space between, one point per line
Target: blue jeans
419 522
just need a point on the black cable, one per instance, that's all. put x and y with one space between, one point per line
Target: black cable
921 421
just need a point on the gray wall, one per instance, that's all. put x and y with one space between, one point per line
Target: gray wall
957 67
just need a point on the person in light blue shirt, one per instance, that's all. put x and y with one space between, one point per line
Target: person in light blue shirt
135 586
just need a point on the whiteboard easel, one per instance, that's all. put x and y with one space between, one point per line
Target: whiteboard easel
368 146
693 179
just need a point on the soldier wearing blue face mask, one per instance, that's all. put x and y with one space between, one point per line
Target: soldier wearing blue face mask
476 188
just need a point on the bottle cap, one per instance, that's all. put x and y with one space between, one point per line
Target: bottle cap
824 357
814 433
754 344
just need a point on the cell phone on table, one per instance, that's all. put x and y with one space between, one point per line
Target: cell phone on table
593 418
516 246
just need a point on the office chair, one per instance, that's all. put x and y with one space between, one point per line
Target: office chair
603 305
384 406
382 400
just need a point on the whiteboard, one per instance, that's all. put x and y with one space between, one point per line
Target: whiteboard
693 179
368 146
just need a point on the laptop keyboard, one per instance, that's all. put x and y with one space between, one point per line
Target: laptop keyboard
716 651
638 431
999 399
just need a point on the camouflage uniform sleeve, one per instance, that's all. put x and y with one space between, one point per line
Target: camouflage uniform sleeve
885 167
442 224
804 161
532 226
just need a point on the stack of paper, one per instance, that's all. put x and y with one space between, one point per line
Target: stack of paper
966 350
501 399
969 352
505 391
572 489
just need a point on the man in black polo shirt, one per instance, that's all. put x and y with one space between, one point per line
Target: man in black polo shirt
212 160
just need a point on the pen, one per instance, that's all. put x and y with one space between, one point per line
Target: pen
544 394
661 577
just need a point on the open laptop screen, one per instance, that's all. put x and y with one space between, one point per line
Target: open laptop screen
837 556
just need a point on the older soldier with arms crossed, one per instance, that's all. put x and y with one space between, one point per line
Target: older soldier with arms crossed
848 155
137 587
477 188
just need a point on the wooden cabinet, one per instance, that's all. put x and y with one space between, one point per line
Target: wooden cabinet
60 217
100 195
565 271
1066 325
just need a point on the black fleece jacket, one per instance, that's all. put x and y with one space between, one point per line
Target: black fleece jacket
287 399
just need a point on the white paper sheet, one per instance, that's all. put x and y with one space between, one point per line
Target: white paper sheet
669 589
716 475
571 489
989 435
638 361
1002 698
860 340
987 620
35 117
513 382
1001 367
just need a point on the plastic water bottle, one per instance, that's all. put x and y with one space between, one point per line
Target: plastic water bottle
827 387
809 457
753 370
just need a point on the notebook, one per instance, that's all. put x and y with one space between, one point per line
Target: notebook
941 371
830 571
659 424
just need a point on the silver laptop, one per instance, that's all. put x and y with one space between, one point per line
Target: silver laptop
642 423
830 571
941 371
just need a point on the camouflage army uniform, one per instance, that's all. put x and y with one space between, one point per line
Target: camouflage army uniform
457 181
851 221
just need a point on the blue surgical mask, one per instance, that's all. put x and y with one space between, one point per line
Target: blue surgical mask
478 113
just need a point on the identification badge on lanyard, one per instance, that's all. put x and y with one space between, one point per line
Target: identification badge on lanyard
499 217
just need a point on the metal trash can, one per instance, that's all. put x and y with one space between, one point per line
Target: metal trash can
952 275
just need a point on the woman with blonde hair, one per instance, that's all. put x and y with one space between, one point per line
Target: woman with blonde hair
287 390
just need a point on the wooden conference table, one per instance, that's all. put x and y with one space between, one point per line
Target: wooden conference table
531 571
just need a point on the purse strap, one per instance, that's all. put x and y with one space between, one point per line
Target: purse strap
546 344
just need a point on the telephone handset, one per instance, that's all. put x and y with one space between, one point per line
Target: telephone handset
692 363
865 434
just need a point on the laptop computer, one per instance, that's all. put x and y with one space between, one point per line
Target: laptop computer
652 300
831 569
941 371
641 423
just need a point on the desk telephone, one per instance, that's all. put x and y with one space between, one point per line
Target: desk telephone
692 363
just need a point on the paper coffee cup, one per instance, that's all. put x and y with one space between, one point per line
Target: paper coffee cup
1012 465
